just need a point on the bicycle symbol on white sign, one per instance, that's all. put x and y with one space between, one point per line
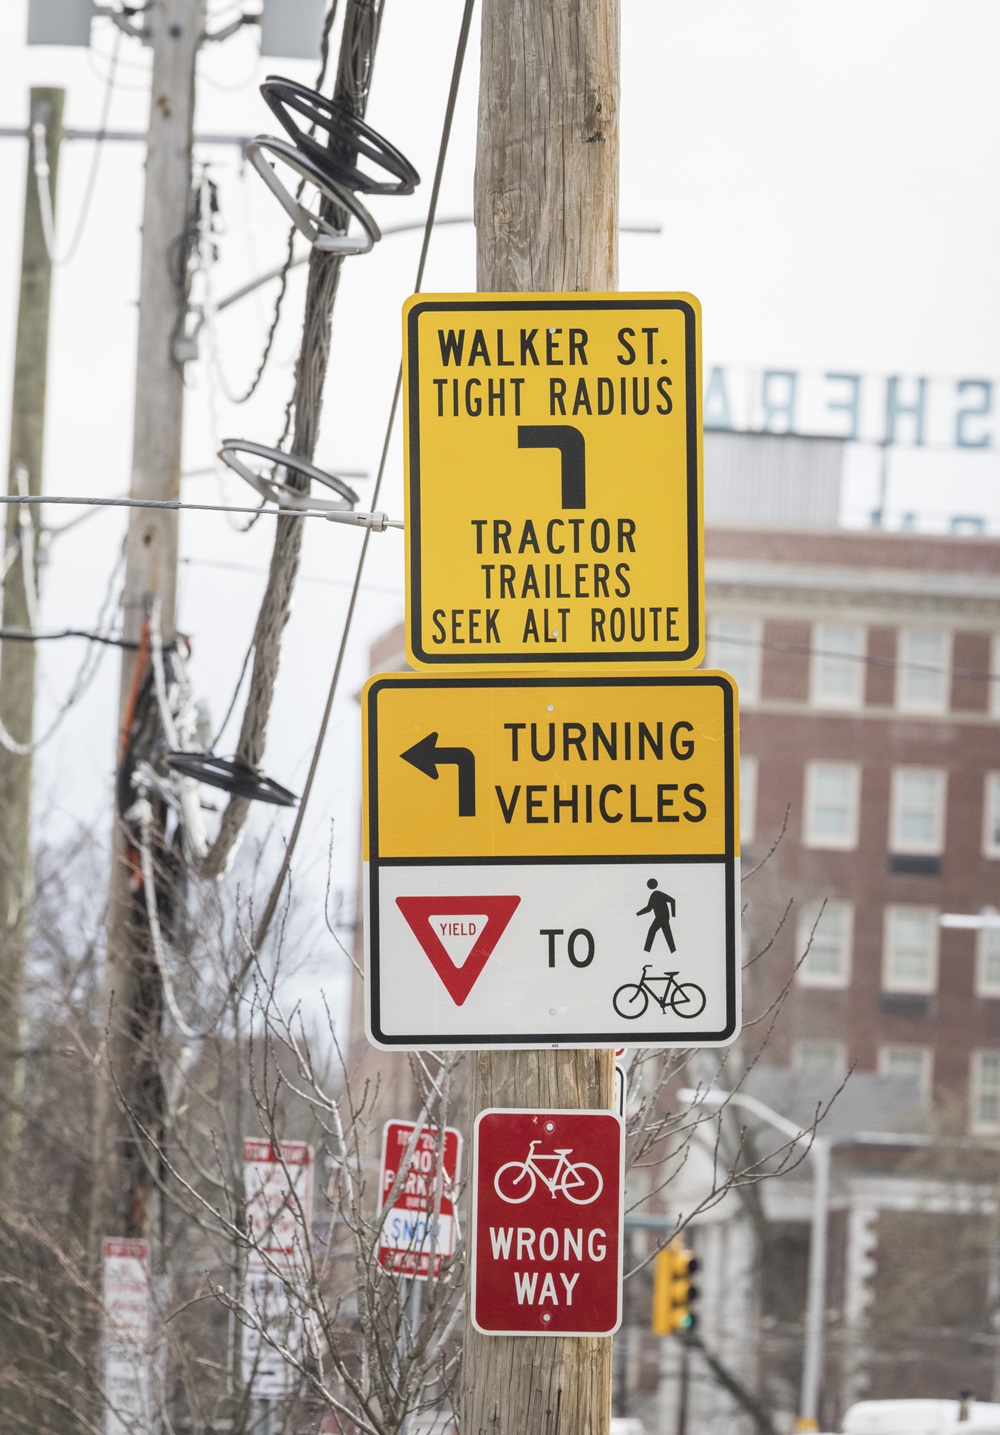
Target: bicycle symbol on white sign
579 1182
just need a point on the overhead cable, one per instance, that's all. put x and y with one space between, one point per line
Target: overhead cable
361 520
362 22
40 165
85 674
267 916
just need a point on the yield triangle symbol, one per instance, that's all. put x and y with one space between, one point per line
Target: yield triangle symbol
458 934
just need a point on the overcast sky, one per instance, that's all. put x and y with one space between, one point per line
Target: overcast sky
826 181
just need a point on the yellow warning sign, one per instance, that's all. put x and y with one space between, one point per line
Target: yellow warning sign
560 767
553 476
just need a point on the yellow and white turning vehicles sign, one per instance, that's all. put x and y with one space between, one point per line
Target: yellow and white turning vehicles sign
553 479
551 860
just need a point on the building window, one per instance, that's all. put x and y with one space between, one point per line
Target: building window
734 645
748 798
984 1095
832 794
988 962
923 670
917 811
909 956
915 1063
820 1055
995 676
991 815
837 670
824 936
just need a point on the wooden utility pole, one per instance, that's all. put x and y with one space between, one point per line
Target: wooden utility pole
546 208
17 659
135 989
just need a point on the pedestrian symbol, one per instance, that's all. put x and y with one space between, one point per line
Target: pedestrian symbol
663 907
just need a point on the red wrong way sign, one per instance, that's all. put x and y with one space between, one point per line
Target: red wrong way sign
547 1222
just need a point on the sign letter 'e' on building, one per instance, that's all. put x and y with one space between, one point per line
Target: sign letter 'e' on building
553 479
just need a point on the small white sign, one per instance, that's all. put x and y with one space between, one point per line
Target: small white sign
278 1180
127 1332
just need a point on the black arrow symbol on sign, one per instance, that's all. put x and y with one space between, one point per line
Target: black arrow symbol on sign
426 757
570 443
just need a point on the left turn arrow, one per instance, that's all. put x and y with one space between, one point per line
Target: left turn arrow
426 757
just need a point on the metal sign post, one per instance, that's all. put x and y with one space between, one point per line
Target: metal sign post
551 861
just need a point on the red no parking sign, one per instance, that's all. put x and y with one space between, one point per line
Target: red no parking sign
547 1223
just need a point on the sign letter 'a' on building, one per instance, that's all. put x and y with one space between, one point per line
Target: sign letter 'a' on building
553 479
547 1222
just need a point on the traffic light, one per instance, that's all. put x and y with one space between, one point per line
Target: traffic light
673 1292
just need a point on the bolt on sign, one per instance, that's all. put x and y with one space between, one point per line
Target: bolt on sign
547 1222
553 478
419 1230
551 860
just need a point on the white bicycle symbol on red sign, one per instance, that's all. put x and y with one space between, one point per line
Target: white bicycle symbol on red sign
579 1182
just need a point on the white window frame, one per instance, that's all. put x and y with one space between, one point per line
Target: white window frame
810 931
749 771
991 814
977 1060
722 648
987 958
921 986
838 1050
934 844
925 1053
831 658
836 842
908 662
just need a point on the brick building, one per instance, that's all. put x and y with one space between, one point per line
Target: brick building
868 665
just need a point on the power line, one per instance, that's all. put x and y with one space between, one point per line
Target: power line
255 569
868 660
41 169
26 635
175 503
85 674
261 928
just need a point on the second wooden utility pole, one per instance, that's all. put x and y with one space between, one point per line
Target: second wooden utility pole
546 207
150 574
19 588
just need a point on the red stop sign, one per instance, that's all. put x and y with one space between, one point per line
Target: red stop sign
547 1223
